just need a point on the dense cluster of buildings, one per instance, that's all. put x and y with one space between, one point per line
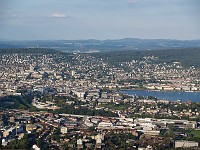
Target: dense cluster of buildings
94 83
74 130
79 72
163 76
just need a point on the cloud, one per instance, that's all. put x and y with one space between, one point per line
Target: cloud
132 1
59 15
15 15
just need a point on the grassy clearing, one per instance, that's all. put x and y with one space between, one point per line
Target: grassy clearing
196 133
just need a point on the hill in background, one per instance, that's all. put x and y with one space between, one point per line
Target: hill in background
102 45
187 56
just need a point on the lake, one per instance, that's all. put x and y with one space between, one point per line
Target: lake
167 95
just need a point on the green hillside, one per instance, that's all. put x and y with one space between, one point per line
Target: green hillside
15 102
188 57
29 51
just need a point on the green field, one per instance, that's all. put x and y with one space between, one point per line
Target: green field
196 133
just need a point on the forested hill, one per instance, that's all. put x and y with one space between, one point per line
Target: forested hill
188 57
102 45
29 50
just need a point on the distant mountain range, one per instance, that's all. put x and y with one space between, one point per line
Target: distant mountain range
103 45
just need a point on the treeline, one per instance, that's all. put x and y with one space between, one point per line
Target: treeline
29 51
16 102
188 57
25 143
85 111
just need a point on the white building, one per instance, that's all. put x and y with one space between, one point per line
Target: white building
105 124
63 130
186 144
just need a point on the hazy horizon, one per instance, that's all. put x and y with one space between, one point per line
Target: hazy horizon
99 19
21 40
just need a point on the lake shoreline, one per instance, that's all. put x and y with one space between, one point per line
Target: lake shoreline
167 95
159 90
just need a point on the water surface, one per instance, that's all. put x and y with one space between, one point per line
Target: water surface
167 95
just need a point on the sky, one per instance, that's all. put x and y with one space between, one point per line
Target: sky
99 19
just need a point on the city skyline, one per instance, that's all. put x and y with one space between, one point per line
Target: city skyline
99 19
